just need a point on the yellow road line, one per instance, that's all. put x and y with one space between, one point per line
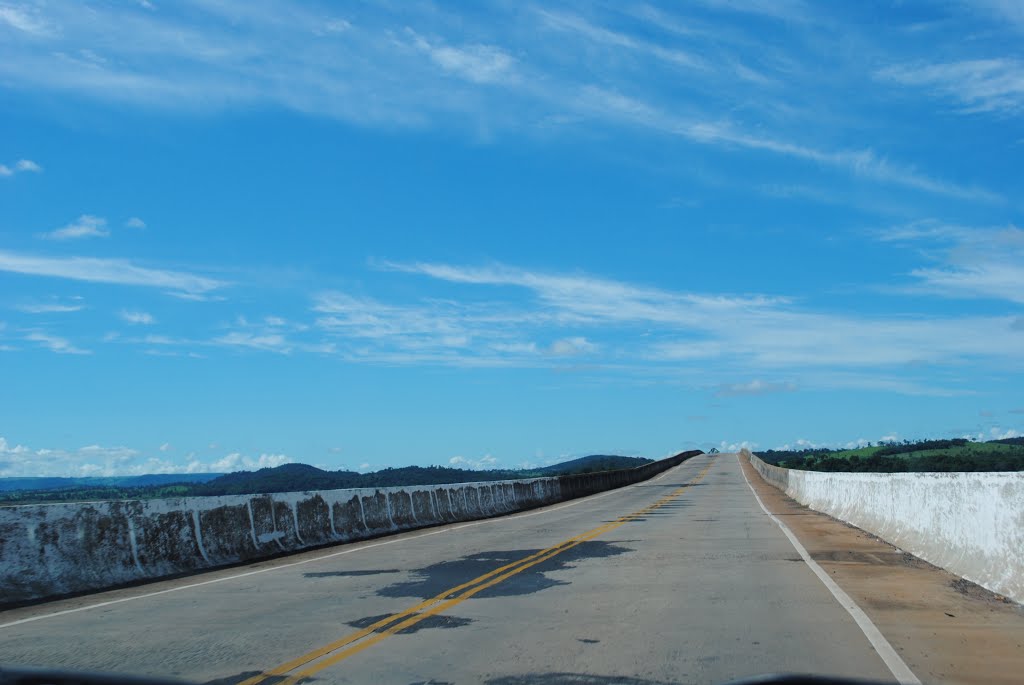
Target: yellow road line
435 605
326 649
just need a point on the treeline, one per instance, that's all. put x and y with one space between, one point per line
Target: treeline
301 477
906 446
951 455
876 463
93 494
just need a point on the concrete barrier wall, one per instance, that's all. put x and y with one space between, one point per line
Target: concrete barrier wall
55 549
971 524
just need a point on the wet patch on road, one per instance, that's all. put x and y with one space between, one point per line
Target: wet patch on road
349 574
434 621
432 580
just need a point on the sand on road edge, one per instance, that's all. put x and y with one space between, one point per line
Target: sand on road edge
945 628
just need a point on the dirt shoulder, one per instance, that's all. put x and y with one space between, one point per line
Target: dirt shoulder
947 629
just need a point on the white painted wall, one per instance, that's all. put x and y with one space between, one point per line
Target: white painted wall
971 524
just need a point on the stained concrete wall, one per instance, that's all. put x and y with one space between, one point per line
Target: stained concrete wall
971 524
56 549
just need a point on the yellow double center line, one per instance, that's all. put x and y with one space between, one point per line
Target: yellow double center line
365 638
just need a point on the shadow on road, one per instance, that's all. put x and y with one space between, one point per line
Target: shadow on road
430 581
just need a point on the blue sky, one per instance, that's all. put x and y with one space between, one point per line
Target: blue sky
235 234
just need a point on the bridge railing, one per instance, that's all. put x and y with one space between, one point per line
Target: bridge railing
50 550
971 524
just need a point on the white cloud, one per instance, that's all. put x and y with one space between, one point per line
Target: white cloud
572 346
240 462
24 19
800 444
484 462
22 165
86 226
271 342
983 85
137 317
97 460
477 63
113 271
54 343
614 39
866 163
745 331
376 74
50 307
978 262
1004 11
586 299
135 222
726 446
754 387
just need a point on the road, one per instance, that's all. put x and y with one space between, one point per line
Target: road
680 579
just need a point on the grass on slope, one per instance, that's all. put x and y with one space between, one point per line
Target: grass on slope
922 456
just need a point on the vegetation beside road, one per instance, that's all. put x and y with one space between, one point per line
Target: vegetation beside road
906 456
300 477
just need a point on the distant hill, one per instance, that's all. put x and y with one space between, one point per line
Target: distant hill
152 479
593 463
286 478
298 477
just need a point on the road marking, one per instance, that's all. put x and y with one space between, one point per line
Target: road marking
357 642
351 550
896 665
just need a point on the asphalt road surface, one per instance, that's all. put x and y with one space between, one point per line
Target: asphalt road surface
679 579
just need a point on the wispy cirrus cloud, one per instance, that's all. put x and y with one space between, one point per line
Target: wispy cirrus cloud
979 85
111 271
752 332
496 80
52 306
976 262
85 226
566 22
865 163
55 343
268 342
25 19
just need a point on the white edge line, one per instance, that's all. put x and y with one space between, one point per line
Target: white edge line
447 529
896 665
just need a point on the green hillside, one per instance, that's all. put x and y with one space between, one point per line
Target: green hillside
920 456
300 477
